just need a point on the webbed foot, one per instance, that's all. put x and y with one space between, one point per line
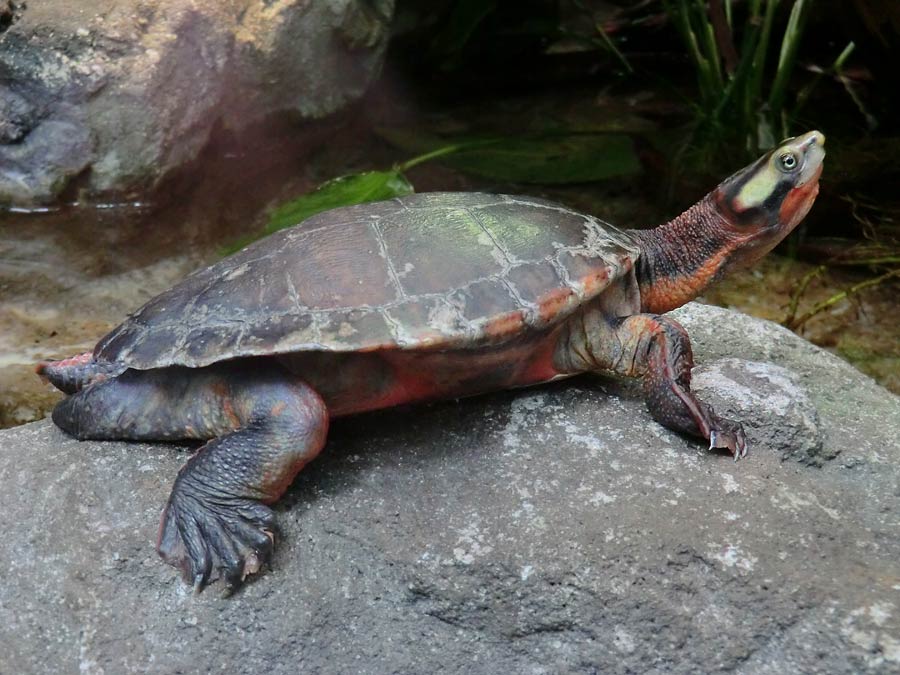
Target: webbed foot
263 426
201 532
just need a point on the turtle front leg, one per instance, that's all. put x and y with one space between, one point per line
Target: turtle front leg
658 350
265 425
663 352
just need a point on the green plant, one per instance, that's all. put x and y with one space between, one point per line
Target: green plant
731 77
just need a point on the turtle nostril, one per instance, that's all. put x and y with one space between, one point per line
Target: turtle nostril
817 137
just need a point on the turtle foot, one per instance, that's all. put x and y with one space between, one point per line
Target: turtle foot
199 533
725 433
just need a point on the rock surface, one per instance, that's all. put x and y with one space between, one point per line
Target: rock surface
771 401
549 530
127 90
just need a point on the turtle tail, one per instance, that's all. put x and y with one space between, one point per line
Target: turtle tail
73 374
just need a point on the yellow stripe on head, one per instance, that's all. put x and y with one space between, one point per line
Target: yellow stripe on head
759 187
765 183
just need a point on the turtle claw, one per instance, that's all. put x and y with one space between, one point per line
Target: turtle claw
233 535
199 582
728 435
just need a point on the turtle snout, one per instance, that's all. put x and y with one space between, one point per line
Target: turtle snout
815 138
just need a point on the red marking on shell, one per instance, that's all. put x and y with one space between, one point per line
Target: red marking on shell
592 283
411 382
551 303
505 325
76 360
377 347
410 387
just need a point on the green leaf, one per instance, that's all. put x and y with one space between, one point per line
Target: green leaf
552 158
357 188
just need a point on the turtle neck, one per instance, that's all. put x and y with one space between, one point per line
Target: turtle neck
680 258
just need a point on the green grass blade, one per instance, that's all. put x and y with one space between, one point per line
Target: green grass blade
805 93
790 43
705 80
610 45
755 83
714 59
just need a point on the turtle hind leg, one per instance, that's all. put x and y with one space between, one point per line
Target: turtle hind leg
216 515
75 373
264 426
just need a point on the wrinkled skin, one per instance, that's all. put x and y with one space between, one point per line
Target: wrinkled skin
264 417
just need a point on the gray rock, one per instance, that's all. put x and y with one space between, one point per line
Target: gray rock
125 91
549 530
770 401
856 432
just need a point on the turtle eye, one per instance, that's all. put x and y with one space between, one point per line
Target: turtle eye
788 161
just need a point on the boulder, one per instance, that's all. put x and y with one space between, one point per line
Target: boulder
547 530
124 91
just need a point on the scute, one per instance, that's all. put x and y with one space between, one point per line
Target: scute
433 270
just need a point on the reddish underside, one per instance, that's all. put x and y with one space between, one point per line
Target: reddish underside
357 383
365 381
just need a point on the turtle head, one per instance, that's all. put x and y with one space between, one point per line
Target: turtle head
733 226
763 202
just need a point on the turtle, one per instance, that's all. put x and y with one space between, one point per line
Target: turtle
423 297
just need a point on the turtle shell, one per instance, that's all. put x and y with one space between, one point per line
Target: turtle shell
427 271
